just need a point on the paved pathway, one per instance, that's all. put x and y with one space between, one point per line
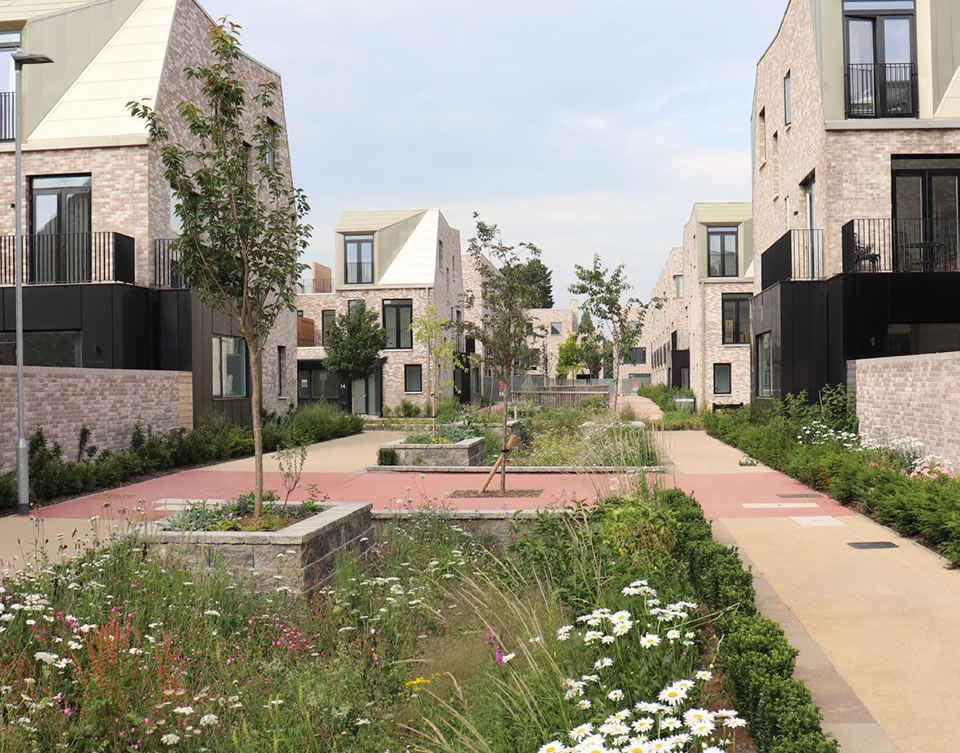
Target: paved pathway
877 629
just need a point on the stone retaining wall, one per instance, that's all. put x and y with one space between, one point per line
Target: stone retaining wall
466 452
299 557
910 396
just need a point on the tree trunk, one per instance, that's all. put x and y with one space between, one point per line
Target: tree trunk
503 443
616 378
255 402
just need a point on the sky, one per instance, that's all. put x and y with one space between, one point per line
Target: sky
582 127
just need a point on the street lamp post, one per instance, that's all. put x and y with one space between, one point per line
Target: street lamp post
20 59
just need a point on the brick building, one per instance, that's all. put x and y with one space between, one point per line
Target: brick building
700 337
101 290
856 190
398 263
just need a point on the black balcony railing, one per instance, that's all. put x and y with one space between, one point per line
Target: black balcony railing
65 258
901 245
7 117
796 255
881 90
166 265
315 285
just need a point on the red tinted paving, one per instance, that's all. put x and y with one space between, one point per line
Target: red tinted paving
722 495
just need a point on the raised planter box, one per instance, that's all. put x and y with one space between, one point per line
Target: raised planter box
466 452
299 557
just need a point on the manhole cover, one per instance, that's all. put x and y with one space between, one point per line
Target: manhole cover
800 496
872 544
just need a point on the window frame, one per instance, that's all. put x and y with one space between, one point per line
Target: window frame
281 366
729 390
324 325
787 99
678 286
556 328
764 388
724 232
739 300
398 334
357 239
217 344
406 378
641 353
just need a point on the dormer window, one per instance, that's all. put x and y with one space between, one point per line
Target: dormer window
880 52
358 259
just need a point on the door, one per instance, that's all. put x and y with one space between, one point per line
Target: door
880 65
59 248
810 240
926 207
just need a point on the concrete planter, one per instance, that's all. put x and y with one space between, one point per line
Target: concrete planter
302 555
466 452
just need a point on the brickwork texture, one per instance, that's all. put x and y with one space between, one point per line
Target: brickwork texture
910 396
109 402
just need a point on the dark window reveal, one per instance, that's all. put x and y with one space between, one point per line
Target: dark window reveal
397 316
413 378
736 319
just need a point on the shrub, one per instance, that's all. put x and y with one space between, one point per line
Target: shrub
664 396
448 408
386 456
408 409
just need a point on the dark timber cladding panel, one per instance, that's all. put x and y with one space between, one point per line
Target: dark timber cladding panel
805 338
97 316
205 324
836 330
51 307
134 339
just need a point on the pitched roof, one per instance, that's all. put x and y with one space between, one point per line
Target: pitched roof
128 67
411 249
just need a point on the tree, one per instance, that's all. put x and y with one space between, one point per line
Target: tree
433 331
537 274
353 343
242 221
591 345
605 302
507 297
606 357
569 357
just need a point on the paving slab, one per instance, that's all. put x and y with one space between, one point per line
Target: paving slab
888 620
698 452
345 455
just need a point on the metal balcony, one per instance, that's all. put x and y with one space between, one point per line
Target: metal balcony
796 255
901 245
881 90
67 258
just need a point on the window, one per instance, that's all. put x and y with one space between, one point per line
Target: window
722 252
281 367
787 114
762 137
326 319
43 349
529 328
413 378
9 43
880 58
556 328
736 318
229 367
775 166
352 304
272 144
764 366
60 220
678 286
397 316
176 224
358 259
721 379
638 355
317 384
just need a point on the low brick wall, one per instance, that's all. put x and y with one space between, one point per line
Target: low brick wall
910 396
466 452
300 557
108 401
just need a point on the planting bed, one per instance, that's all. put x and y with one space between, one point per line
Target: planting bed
299 557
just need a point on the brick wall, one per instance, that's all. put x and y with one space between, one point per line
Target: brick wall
910 396
109 402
